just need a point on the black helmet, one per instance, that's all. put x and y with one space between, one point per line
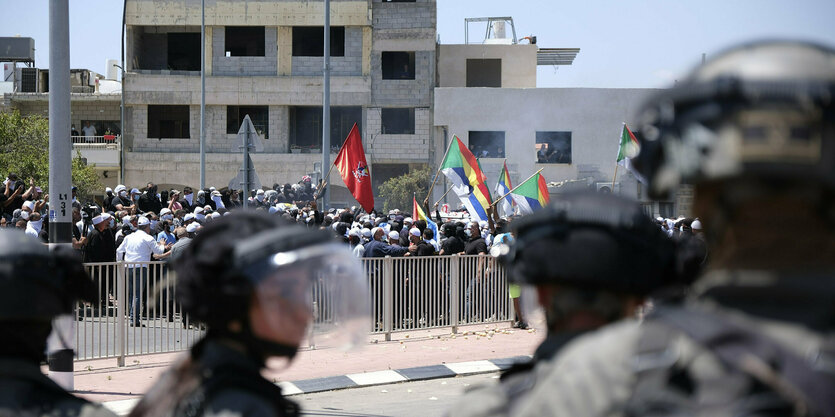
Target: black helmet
36 284
763 110
234 256
593 241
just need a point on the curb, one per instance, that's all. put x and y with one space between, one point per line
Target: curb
367 379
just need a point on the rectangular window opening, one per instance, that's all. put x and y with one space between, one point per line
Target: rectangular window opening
260 116
184 51
244 41
169 122
484 73
398 65
398 121
553 147
306 126
486 144
310 41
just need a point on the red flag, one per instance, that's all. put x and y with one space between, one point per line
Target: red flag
354 170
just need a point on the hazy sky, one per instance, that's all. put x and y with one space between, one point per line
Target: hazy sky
623 43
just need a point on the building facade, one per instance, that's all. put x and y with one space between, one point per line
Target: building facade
264 59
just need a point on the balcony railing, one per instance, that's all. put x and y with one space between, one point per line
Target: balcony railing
104 141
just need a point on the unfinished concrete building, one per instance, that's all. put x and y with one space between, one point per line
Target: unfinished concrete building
264 59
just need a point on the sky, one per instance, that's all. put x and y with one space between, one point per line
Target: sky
623 43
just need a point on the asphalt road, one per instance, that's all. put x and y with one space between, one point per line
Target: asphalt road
408 399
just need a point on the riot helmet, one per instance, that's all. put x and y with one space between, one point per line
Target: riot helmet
37 284
591 241
250 260
763 111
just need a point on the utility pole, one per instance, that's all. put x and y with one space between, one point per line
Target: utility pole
202 94
60 344
326 105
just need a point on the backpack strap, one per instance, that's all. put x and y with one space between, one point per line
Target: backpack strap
807 384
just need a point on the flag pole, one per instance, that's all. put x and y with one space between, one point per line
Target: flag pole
442 197
439 168
333 164
514 188
613 178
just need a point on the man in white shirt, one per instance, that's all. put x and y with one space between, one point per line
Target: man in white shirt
89 131
138 246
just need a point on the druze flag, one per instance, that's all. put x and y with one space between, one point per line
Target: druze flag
354 170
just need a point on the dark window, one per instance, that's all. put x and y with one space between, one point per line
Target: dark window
103 127
184 51
484 73
398 121
666 209
260 116
310 41
398 65
553 147
306 125
487 144
168 122
244 41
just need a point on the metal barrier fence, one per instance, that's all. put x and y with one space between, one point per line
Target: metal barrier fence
138 313
101 140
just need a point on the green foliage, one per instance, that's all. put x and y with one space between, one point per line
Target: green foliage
24 149
398 191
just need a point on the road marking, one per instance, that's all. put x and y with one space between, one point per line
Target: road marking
121 407
376 378
474 367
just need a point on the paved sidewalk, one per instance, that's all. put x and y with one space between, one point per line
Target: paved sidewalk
412 353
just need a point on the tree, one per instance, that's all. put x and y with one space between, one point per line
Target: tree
24 150
398 191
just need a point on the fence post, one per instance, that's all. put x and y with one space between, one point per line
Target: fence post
454 293
120 314
388 295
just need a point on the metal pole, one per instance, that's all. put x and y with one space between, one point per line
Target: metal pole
203 94
246 185
326 104
61 341
122 109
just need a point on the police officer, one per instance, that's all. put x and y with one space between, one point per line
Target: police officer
593 258
249 277
35 287
754 130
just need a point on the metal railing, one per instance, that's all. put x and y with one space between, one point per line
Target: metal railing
138 313
97 141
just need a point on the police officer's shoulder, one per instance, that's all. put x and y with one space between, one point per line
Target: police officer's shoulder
590 376
233 401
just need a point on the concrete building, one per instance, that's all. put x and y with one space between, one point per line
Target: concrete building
94 102
264 59
487 96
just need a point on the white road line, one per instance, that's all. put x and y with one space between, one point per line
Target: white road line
376 378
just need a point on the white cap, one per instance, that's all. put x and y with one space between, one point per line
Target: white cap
143 221
120 188
189 216
414 231
482 224
215 215
108 190
29 204
207 208
374 231
408 220
198 210
134 191
98 219
126 220
200 192
164 211
260 191
212 189
215 193
366 232
354 232
394 235
226 213
192 228
696 225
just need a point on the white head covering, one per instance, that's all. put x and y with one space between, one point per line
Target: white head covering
108 190
212 189
192 228
164 211
98 219
366 232
408 220
29 204
198 210
394 235
189 216
215 215
143 221
696 225
414 231
119 188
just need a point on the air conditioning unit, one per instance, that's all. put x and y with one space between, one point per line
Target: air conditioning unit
606 187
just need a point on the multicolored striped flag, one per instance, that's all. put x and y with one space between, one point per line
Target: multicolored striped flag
418 214
627 150
532 194
468 181
503 187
